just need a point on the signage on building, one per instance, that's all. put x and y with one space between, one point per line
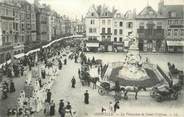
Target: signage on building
176 26
92 44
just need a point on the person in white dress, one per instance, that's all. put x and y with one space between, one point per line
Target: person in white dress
33 104
110 107
38 104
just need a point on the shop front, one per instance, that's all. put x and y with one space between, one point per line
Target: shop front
175 46
118 47
92 46
106 46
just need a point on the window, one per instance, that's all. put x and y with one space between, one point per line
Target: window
3 39
90 30
13 12
129 33
92 21
175 32
115 39
120 24
28 26
115 32
92 14
109 22
182 22
108 38
6 12
182 32
129 25
23 27
22 38
159 27
120 31
103 37
115 24
109 30
169 22
141 25
169 32
16 26
7 39
176 22
94 30
172 14
120 39
103 30
103 22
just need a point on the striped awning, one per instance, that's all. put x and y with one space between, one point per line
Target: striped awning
175 43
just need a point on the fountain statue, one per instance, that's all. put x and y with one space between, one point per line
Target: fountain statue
132 67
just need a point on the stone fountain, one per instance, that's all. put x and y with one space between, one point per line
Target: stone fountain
132 68
134 71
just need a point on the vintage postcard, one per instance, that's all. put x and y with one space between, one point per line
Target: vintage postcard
91 58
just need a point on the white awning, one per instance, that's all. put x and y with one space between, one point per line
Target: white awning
175 43
92 45
32 51
19 55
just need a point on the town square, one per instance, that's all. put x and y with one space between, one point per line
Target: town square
104 62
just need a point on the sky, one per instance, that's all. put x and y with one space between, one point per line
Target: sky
77 8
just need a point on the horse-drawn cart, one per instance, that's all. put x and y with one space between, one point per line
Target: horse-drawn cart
164 93
104 88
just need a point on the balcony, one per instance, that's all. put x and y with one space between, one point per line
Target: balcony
151 34
104 33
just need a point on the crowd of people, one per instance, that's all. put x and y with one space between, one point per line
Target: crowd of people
36 96
43 68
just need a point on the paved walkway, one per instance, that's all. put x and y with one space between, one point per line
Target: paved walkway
62 90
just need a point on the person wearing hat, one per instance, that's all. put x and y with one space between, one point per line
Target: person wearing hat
116 106
49 95
61 108
73 81
86 97
68 109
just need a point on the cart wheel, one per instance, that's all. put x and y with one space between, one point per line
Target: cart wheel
152 94
175 96
159 99
101 91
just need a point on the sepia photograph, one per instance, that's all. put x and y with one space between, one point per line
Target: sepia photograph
91 58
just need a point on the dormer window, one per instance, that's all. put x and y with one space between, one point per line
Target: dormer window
92 14
172 14
106 14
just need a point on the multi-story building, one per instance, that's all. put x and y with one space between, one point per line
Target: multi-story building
67 25
80 26
33 24
42 23
174 31
92 24
6 31
157 31
117 31
150 30
123 26
18 44
108 30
